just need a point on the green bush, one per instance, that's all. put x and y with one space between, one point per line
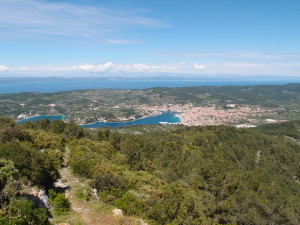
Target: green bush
6 122
22 212
9 134
61 204
36 166
83 194
51 195
45 140
7 172
130 204
72 130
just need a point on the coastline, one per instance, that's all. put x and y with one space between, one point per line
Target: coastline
188 115
31 117
61 117
191 115
126 121
133 121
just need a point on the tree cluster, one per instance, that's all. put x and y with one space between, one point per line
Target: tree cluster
30 155
194 175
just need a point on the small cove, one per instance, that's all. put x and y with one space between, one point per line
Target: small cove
34 118
167 117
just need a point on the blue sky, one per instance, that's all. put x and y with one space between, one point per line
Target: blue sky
142 38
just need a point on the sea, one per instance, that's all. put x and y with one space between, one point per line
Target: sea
34 118
50 87
163 118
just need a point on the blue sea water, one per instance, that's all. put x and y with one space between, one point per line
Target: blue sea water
169 117
51 118
50 87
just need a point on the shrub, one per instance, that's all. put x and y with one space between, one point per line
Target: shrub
34 165
51 195
130 204
21 212
83 194
48 141
61 204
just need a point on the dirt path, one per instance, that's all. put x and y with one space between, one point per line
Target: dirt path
92 212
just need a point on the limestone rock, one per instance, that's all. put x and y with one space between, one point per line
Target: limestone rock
117 212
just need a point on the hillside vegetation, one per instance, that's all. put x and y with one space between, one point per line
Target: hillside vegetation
288 129
188 175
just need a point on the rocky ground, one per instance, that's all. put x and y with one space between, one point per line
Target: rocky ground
91 212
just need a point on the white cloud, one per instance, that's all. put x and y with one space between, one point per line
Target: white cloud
91 68
108 67
199 67
83 67
4 68
58 69
182 68
40 19
141 67
23 68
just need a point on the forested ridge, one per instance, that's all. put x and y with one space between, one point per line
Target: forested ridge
188 175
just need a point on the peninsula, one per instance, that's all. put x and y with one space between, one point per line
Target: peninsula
195 105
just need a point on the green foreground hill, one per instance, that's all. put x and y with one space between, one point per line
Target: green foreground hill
188 175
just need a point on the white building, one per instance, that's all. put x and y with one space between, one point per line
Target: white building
22 117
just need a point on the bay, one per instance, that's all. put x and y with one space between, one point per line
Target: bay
34 118
164 117
168 117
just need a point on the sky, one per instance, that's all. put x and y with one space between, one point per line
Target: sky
195 38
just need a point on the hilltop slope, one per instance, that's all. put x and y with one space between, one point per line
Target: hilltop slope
189 175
